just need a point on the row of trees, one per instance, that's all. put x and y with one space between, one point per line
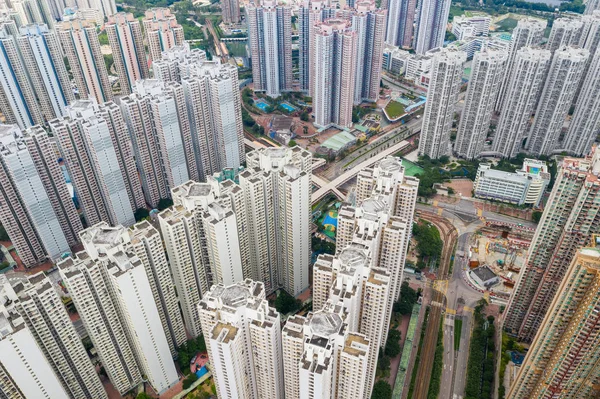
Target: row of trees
480 369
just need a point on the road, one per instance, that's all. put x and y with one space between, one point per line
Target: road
349 174
437 308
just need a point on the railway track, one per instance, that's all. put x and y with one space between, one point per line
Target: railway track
449 237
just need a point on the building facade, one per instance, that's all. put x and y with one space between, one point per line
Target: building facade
431 25
162 31
446 79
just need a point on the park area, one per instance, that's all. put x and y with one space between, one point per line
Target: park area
327 222
402 104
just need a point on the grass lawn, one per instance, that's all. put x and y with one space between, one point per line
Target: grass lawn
394 109
457 333
507 25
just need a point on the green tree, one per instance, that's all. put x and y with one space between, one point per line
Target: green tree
392 345
143 395
383 363
292 143
408 297
285 303
103 38
141 214
536 216
3 234
304 116
381 390
190 379
164 203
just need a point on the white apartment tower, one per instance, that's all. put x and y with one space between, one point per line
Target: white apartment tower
586 118
214 109
158 141
29 217
243 338
177 63
127 45
591 6
48 321
523 86
561 84
162 31
565 32
323 359
487 71
334 55
276 186
270 40
25 372
91 141
308 14
444 86
181 235
81 46
86 279
400 22
431 25
369 23
529 32
143 241
231 11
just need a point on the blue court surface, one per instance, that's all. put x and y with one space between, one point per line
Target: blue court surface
287 107
262 104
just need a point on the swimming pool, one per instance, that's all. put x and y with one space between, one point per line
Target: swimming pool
262 105
287 107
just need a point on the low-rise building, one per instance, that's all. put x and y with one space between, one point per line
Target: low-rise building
463 27
484 276
524 187
395 60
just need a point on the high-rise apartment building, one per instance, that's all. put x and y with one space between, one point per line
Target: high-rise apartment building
586 118
529 32
143 241
322 359
565 32
94 145
81 46
127 45
86 278
591 6
561 361
102 8
369 24
30 196
17 98
562 81
334 80
33 12
215 117
43 60
270 41
523 86
230 9
177 63
276 187
590 40
48 321
162 31
487 71
181 235
308 14
431 25
131 293
444 86
243 339
25 372
400 22
381 221
158 141
569 220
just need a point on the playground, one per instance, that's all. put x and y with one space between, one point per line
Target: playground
411 168
262 104
325 217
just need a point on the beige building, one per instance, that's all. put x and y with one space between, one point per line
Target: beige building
562 359
127 45
243 338
177 63
162 31
81 46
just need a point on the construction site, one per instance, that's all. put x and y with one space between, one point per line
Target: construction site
497 254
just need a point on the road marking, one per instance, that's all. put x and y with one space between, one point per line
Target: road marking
440 211
468 309
441 286
450 311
